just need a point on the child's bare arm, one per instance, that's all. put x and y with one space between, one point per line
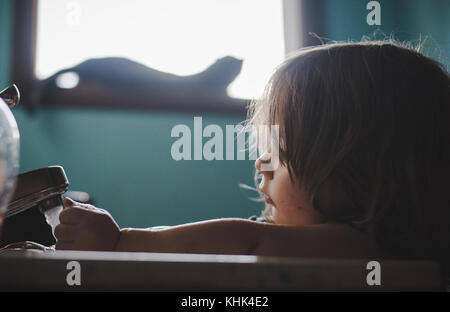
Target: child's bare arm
219 236
85 227
90 228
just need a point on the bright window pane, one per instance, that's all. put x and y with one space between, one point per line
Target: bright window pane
177 36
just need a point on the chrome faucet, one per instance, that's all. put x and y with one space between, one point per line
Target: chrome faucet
32 210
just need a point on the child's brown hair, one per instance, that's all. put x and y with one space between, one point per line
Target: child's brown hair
365 127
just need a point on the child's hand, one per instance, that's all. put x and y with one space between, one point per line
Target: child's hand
85 227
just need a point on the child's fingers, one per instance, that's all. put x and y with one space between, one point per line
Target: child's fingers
66 232
72 215
68 202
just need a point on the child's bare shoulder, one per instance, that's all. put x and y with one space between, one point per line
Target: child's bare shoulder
321 240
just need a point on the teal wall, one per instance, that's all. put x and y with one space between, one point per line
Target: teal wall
5 42
426 21
123 160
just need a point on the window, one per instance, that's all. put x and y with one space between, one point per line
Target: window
175 36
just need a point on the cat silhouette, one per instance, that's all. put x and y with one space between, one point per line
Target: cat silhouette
124 74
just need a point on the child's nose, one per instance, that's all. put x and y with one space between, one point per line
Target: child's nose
264 158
